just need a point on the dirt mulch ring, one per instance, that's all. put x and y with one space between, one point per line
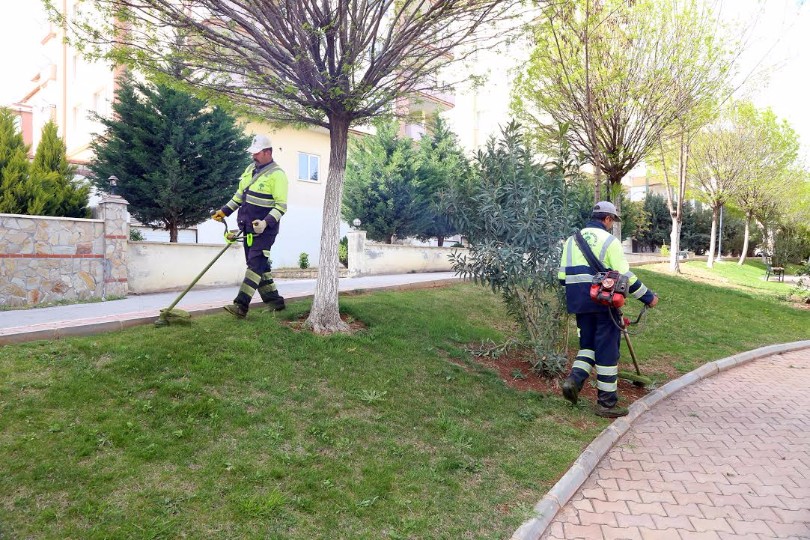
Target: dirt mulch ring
514 369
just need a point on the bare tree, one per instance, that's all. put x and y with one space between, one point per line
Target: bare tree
620 74
718 165
326 63
772 178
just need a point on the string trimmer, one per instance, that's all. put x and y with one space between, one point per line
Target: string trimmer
171 314
636 378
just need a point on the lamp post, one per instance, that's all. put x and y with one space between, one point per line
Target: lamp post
356 222
113 183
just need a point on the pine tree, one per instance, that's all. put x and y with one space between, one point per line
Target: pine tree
66 197
175 157
381 184
442 163
18 193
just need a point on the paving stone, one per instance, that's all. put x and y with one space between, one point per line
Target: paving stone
725 457
655 534
624 533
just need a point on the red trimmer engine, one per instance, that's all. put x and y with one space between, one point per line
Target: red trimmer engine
609 288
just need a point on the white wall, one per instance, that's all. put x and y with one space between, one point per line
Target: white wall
154 266
370 258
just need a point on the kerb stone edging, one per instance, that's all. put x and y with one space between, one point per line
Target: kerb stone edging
546 510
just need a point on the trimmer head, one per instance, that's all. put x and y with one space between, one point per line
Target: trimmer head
169 316
637 379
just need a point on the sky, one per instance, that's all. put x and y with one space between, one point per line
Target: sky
777 44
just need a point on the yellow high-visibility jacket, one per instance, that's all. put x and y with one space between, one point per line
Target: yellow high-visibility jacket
577 275
261 194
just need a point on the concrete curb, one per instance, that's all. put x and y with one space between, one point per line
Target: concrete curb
558 496
110 323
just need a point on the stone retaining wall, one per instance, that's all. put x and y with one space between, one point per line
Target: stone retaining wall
52 259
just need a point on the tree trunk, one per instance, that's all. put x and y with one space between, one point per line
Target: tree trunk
615 191
172 232
595 155
744 253
324 318
440 241
675 245
676 206
713 237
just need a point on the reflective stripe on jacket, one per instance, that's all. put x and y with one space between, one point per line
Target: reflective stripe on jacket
261 194
576 274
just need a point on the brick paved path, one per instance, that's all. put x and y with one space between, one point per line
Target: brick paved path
709 462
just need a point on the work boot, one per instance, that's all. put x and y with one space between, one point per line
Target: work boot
610 412
275 304
570 390
237 310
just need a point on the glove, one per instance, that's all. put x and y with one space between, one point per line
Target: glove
219 215
259 225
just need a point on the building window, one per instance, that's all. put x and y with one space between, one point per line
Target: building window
100 103
308 165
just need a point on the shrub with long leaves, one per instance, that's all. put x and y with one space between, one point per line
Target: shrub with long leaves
513 210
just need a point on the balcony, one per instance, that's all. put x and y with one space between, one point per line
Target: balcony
430 102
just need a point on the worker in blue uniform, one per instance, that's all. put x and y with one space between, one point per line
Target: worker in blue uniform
599 330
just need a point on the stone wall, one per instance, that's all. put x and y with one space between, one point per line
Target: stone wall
51 259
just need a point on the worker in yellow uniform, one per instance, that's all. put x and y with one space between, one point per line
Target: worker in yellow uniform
599 331
261 199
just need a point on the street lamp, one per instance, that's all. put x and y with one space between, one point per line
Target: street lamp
356 223
113 183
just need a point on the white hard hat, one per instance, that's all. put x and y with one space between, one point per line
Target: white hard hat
259 143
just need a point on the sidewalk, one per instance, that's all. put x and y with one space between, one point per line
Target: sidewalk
723 457
85 319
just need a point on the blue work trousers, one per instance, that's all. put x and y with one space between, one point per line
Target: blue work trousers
599 340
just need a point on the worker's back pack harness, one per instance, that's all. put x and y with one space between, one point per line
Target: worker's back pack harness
609 287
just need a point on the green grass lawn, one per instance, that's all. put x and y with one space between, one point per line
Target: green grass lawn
250 429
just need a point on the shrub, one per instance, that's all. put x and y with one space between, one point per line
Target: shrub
303 261
343 251
665 250
515 215
135 235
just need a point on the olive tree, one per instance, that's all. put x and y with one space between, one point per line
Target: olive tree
514 213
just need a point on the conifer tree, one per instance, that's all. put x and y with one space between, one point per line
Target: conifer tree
381 179
65 196
175 157
442 163
18 193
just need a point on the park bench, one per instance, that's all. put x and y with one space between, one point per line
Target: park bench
683 255
778 271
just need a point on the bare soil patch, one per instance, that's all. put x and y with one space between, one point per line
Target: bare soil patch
514 368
